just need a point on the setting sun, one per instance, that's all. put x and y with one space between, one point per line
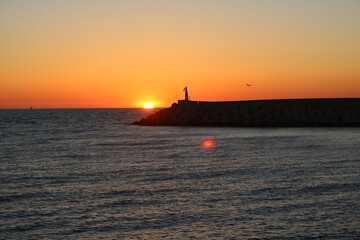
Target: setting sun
148 105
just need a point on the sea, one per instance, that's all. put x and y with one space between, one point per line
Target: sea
89 174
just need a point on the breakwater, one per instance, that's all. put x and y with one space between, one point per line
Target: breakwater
333 112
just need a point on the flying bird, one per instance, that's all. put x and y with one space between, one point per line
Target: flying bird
248 85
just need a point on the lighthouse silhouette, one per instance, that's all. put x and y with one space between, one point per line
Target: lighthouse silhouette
186 94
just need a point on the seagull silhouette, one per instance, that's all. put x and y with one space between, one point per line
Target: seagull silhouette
248 85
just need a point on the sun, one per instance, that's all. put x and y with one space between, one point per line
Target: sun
148 105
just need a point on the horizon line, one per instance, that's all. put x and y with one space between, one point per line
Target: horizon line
64 108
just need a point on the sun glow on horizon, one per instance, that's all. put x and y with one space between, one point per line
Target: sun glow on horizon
148 105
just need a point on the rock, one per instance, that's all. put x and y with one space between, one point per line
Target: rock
293 112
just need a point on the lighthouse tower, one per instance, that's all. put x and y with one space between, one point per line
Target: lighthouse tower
186 94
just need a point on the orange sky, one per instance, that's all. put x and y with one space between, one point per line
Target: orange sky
94 54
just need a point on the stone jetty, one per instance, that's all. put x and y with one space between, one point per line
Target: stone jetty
332 112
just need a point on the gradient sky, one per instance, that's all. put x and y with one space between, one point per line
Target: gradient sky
85 53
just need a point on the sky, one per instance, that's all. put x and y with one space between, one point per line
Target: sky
115 54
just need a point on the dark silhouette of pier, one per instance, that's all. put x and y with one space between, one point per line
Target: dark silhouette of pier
326 112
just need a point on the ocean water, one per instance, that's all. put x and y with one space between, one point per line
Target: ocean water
87 173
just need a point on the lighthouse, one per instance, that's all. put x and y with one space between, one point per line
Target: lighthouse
186 94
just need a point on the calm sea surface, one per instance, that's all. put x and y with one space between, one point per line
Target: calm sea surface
76 174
